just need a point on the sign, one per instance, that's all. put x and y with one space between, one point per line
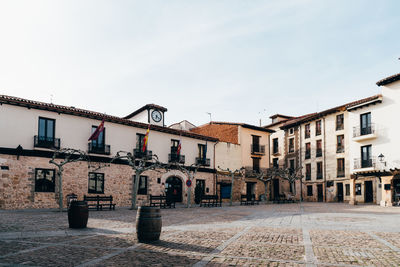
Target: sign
188 183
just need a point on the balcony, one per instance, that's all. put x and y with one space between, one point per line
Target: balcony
340 149
319 153
203 161
364 133
308 176
339 126
365 165
319 176
275 151
258 149
99 149
340 173
46 142
175 158
139 154
308 155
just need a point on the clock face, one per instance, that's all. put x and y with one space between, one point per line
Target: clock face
156 115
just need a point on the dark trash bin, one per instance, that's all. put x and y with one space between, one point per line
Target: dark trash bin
78 214
148 224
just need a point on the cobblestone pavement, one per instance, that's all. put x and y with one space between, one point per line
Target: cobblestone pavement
308 234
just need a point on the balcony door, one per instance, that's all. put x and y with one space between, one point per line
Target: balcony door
365 123
366 156
46 130
256 143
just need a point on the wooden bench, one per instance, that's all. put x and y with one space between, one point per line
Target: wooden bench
97 202
210 201
161 201
249 200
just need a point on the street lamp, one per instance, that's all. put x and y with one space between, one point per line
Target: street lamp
382 158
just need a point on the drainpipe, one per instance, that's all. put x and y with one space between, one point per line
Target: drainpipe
324 160
301 164
215 174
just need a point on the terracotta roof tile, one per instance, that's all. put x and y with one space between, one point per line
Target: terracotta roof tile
388 80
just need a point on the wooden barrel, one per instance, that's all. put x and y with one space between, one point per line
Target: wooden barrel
78 214
148 224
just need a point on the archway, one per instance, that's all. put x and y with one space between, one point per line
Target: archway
173 188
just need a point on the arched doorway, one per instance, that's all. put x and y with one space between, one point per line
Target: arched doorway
173 188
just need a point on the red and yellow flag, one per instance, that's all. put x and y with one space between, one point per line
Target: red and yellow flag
146 139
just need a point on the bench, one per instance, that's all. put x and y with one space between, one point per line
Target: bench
249 200
210 201
161 201
97 202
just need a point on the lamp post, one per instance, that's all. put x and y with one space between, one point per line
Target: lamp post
382 159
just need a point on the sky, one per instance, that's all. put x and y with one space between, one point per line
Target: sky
241 61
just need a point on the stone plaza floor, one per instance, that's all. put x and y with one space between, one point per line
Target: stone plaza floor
307 234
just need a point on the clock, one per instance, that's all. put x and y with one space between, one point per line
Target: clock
156 115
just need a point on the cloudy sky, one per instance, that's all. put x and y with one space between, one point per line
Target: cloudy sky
239 60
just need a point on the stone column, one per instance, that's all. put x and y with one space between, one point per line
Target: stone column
353 191
386 194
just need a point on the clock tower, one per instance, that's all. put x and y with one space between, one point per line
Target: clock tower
149 113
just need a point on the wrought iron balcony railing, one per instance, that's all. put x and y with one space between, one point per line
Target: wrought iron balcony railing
99 149
258 149
308 155
319 176
340 149
364 163
46 142
308 176
138 153
360 131
203 161
319 153
174 157
340 173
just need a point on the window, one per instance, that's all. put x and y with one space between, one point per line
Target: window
142 189
99 142
96 183
308 171
256 164
307 131
291 145
291 131
308 151
347 189
44 180
275 162
319 170
140 141
358 189
340 144
319 148
366 160
309 190
339 122
202 151
202 184
292 166
318 127
275 148
46 129
340 168
255 147
365 123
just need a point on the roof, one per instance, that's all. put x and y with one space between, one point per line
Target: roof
16 101
388 80
280 115
316 115
148 106
244 125
275 123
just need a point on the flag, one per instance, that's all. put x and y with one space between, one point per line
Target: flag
178 151
146 139
97 132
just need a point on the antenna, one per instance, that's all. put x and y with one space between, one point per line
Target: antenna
209 113
261 114
51 98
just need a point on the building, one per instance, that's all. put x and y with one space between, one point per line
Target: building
240 146
31 131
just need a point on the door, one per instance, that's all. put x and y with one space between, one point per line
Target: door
365 123
173 188
276 189
339 188
369 196
366 156
320 193
225 191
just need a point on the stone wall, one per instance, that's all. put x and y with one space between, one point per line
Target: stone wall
17 184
